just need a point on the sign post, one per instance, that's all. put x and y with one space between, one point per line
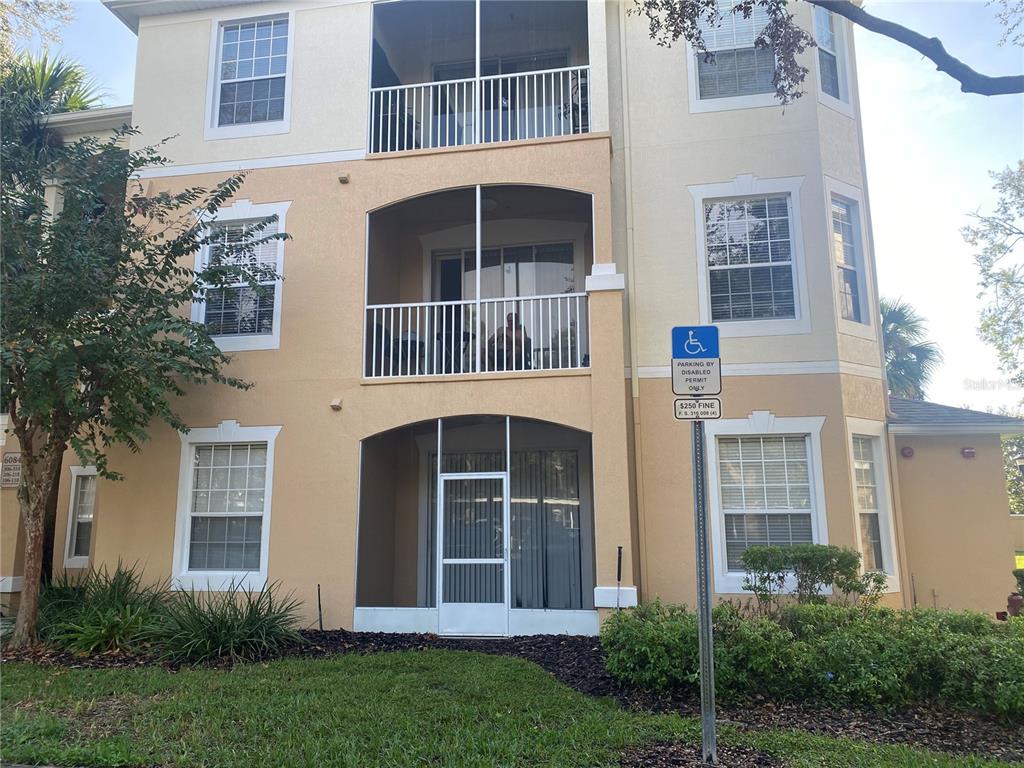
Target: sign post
696 373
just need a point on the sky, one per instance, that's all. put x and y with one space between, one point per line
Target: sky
928 149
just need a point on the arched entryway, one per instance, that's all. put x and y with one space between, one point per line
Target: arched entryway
495 538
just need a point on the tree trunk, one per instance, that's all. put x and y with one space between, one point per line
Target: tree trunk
50 528
28 606
38 476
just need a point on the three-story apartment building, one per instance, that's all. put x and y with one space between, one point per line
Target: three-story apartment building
498 210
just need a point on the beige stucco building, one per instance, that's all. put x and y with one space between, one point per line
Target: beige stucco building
463 414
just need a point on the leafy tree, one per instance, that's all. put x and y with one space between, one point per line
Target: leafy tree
1013 452
94 312
21 19
998 237
910 361
31 89
670 20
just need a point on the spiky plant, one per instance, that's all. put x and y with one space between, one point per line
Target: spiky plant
37 86
910 360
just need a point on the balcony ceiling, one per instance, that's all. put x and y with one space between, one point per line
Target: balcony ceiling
443 210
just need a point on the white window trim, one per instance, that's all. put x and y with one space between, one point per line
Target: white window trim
761 423
746 186
243 210
212 131
844 104
69 560
876 431
213 581
868 329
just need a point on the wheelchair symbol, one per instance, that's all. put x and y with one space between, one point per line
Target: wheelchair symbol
693 346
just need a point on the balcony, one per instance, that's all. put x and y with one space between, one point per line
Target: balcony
484 280
449 73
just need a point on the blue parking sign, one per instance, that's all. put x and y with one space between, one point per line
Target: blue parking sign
694 342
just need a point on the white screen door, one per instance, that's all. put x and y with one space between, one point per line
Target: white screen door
473 559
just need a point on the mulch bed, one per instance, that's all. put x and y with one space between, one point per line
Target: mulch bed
685 755
578 662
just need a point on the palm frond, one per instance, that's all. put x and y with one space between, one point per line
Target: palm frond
910 359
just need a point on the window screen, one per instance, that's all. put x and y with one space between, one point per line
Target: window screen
867 503
765 488
227 505
253 67
750 258
737 68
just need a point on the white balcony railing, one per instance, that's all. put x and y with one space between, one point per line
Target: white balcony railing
435 338
529 105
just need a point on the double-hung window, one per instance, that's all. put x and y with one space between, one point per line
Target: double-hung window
749 244
832 74
828 59
765 493
227 504
240 316
868 501
845 253
253 68
242 310
81 512
736 67
224 494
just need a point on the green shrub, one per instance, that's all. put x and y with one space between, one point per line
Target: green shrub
652 647
754 654
100 610
817 567
767 570
235 624
814 568
1018 574
835 654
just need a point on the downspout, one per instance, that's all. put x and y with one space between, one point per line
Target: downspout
634 372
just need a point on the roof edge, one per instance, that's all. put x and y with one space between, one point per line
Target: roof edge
956 429
130 11
89 120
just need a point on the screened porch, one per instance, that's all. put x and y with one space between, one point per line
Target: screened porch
479 280
446 73
496 538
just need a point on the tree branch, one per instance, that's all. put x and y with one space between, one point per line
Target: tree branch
929 47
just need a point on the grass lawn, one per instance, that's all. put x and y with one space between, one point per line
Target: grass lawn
436 708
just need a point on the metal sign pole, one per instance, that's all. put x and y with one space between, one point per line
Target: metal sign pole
704 631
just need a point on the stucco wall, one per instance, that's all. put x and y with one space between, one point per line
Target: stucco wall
329 80
661 147
313 511
958 537
666 504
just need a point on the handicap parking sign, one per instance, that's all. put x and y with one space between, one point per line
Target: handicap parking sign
694 341
696 366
